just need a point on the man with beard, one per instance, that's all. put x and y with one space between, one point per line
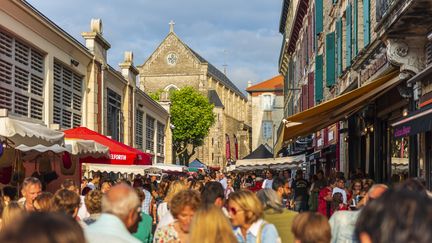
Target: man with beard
282 189
275 212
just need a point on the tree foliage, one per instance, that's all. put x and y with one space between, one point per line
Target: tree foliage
192 116
156 95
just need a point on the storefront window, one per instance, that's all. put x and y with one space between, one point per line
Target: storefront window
399 160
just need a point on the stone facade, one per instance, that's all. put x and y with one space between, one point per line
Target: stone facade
174 65
359 40
55 53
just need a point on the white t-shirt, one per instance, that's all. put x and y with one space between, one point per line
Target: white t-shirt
267 184
162 209
343 192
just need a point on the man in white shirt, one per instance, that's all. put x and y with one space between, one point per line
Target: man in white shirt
121 211
340 187
223 180
269 181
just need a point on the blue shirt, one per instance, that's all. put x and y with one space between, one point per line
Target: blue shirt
109 229
269 233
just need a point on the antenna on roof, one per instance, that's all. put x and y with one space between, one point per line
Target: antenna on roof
225 64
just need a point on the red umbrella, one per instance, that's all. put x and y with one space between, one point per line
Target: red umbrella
120 154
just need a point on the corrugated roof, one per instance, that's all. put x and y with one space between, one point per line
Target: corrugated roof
274 84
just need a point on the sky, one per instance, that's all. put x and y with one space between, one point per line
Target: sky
243 34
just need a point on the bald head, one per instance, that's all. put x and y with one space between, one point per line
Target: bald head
376 191
120 200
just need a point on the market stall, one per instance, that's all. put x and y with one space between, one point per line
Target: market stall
268 163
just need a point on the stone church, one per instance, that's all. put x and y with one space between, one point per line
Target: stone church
174 65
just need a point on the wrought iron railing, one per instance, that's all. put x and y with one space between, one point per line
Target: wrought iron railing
384 7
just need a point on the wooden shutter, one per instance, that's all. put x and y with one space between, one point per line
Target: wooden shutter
311 90
330 59
339 49
355 30
348 35
319 78
366 22
319 16
305 99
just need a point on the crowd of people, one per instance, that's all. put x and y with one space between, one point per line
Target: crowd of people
261 206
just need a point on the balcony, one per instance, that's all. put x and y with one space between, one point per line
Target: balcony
400 18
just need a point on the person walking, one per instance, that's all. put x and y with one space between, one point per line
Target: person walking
246 213
300 187
121 211
210 225
310 227
276 214
182 207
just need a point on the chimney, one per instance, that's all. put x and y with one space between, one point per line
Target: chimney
128 70
95 42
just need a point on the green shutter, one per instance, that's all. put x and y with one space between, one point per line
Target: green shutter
319 15
348 35
366 22
355 32
319 78
339 34
330 59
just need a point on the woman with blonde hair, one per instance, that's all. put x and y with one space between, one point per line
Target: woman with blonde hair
246 212
11 213
210 225
162 209
311 227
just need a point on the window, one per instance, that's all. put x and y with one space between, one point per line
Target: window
21 78
114 116
150 133
267 102
139 135
160 137
67 96
267 129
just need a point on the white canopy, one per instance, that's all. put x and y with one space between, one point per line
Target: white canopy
86 148
30 134
42 148
131 169
270 163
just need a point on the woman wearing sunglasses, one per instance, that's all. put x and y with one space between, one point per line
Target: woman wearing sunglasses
246 212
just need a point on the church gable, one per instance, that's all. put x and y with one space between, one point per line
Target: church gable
172 57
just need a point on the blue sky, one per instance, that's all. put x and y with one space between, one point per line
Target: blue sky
242 33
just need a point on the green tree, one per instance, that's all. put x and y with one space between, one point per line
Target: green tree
155 95
192 116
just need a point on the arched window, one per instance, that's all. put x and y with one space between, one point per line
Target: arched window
170 88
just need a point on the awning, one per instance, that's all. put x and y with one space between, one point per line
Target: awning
196 165
270 163
334 110
30 134
86 148
415 122
120 154
42 148
133 169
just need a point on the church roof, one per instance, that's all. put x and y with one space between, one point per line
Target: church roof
274 84
221 77
214 99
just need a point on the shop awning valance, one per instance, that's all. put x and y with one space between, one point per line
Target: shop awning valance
415 122
269 163
120 154
84 148
30 134
334 110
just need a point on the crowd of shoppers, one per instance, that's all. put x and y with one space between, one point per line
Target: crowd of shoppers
215 208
